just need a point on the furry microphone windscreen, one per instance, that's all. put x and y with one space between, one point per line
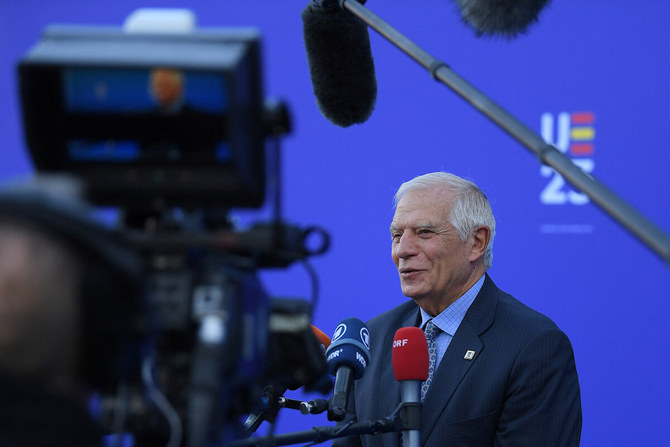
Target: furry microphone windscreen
507 18
340 64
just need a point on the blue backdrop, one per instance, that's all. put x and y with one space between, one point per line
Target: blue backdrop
595 73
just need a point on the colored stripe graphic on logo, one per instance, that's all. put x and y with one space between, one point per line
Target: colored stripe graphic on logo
582 133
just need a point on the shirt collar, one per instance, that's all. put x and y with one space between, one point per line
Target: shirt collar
450 318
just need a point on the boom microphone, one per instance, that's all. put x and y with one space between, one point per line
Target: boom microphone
506 18
347 358
410 367
340 62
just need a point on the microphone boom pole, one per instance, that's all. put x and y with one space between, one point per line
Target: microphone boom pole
608 201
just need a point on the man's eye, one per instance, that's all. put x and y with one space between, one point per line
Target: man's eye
395 237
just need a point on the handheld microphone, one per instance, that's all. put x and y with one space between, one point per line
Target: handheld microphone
410 368
346 358
323 339
340 63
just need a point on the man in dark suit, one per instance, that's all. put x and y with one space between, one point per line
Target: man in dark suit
503 374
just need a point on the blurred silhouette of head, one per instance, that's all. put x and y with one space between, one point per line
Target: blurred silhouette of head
167 87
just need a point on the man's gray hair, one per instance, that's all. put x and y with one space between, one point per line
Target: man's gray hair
470 210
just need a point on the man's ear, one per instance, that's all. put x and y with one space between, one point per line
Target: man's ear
480 240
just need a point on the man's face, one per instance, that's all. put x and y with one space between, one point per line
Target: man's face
433 263
165 86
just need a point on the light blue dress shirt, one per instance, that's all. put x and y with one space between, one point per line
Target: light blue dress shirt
450 318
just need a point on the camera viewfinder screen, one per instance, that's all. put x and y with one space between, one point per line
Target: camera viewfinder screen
153 115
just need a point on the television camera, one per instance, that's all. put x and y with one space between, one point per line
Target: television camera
171 130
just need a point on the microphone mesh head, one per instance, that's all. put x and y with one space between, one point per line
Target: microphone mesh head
349 346
410 354
506 18
340 64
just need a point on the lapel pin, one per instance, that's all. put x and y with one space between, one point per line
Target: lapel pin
469 355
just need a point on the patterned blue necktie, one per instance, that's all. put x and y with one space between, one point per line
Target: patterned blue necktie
431 331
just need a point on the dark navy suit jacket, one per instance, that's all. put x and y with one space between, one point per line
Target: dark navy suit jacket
520 388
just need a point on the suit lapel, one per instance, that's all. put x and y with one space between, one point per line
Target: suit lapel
410 319
457 361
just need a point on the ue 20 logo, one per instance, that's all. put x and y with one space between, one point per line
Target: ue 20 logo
572 133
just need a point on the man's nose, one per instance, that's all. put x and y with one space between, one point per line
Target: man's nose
406 246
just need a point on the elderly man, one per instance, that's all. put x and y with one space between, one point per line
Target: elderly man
502 374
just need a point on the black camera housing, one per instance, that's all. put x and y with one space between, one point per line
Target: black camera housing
85 112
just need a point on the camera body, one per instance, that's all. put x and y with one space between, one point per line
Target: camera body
93 107
170 130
